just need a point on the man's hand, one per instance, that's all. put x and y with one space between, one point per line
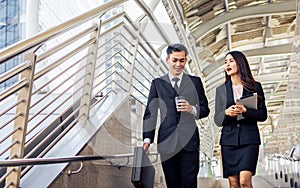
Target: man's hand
146 147
184 106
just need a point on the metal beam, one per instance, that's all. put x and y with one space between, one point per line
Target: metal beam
190 44
286 7
284 49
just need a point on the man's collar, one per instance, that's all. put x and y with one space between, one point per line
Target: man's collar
179 76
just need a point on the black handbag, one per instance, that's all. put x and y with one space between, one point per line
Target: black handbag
143 172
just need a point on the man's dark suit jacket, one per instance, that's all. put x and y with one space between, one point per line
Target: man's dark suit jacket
247 132
176 128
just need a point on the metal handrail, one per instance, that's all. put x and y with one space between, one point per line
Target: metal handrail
16 70
10 108
140 93
9 134
64 58
9 146
152 17
56 160
67 42
289 157
29 43
50 113
51 134
51 80
16 87
53 100
8 122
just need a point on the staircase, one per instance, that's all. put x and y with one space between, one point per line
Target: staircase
80 80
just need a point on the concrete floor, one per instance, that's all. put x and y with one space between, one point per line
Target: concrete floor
259 181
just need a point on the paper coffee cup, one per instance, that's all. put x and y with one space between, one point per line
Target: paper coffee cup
177 101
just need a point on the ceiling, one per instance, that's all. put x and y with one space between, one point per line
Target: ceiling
265 31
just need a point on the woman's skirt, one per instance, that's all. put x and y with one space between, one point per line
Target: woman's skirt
239 158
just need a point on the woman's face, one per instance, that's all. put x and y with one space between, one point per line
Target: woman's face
230 65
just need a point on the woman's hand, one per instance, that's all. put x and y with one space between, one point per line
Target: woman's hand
235 110
241 108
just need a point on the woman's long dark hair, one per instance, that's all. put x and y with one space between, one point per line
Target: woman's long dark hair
243 69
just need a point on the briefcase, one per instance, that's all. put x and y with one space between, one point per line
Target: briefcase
143 172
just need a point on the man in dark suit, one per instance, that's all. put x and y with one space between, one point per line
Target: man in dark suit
178 137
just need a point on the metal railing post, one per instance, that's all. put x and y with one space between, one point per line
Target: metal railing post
89 76
133 59
20 124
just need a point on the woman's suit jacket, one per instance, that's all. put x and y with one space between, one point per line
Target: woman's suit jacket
175 127
238 132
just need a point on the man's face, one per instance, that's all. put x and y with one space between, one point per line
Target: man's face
176 61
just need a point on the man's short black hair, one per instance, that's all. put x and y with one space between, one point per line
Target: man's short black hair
176 48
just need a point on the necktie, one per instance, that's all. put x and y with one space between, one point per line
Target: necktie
175 79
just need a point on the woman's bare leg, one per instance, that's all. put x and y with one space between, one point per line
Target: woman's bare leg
234 181
246 179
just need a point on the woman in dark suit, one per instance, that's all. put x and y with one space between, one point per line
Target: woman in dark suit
240 138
